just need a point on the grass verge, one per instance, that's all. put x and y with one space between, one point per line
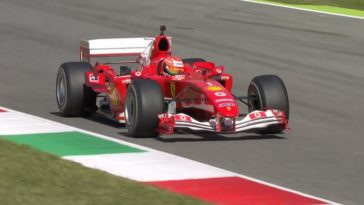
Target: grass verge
346 7
31 177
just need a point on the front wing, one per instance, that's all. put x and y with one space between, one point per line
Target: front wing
256 121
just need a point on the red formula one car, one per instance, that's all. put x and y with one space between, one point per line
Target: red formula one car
153 92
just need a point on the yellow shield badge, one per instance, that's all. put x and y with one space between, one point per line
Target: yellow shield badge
173 89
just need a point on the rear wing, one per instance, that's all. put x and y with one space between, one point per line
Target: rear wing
116 47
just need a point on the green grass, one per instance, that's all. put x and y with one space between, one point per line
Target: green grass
70 143
349 4
31 177
348 7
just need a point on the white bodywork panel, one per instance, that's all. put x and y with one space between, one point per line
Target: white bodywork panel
140 47
115 46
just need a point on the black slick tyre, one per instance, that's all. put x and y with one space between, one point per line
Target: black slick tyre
73 97
268 92
144 101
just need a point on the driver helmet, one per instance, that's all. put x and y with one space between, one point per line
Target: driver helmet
173 65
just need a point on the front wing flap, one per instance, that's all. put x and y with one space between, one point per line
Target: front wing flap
256 121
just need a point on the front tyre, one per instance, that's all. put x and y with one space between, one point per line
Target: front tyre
268 92
144 101
73 97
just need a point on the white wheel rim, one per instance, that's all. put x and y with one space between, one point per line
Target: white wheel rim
130 108
61 90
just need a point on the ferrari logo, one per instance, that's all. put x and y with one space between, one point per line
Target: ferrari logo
173 89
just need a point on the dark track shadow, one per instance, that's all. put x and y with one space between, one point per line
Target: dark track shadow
58 114
126 134
99 118
186 136
206 136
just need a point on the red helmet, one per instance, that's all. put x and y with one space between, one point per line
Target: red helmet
173 65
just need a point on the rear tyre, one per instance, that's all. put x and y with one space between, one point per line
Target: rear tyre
191 61
74 98
268 92
144 101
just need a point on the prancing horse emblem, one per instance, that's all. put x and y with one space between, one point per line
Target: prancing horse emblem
173 89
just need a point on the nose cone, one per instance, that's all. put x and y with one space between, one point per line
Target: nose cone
227 108
223 102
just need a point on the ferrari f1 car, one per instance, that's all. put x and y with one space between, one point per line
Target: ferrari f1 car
138 82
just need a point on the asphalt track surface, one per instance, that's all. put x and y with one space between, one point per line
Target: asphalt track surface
320 58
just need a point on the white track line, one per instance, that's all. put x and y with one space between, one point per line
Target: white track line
150 166
13 123
302 9
223 172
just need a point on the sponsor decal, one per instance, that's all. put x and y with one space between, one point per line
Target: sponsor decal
138 73
173 89
182 118
178 77
93 78
218 70
220 94
214 88
178 63
257 115
224 100
227 105
175 63
224 77
126 81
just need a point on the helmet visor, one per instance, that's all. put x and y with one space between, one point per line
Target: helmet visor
173 70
